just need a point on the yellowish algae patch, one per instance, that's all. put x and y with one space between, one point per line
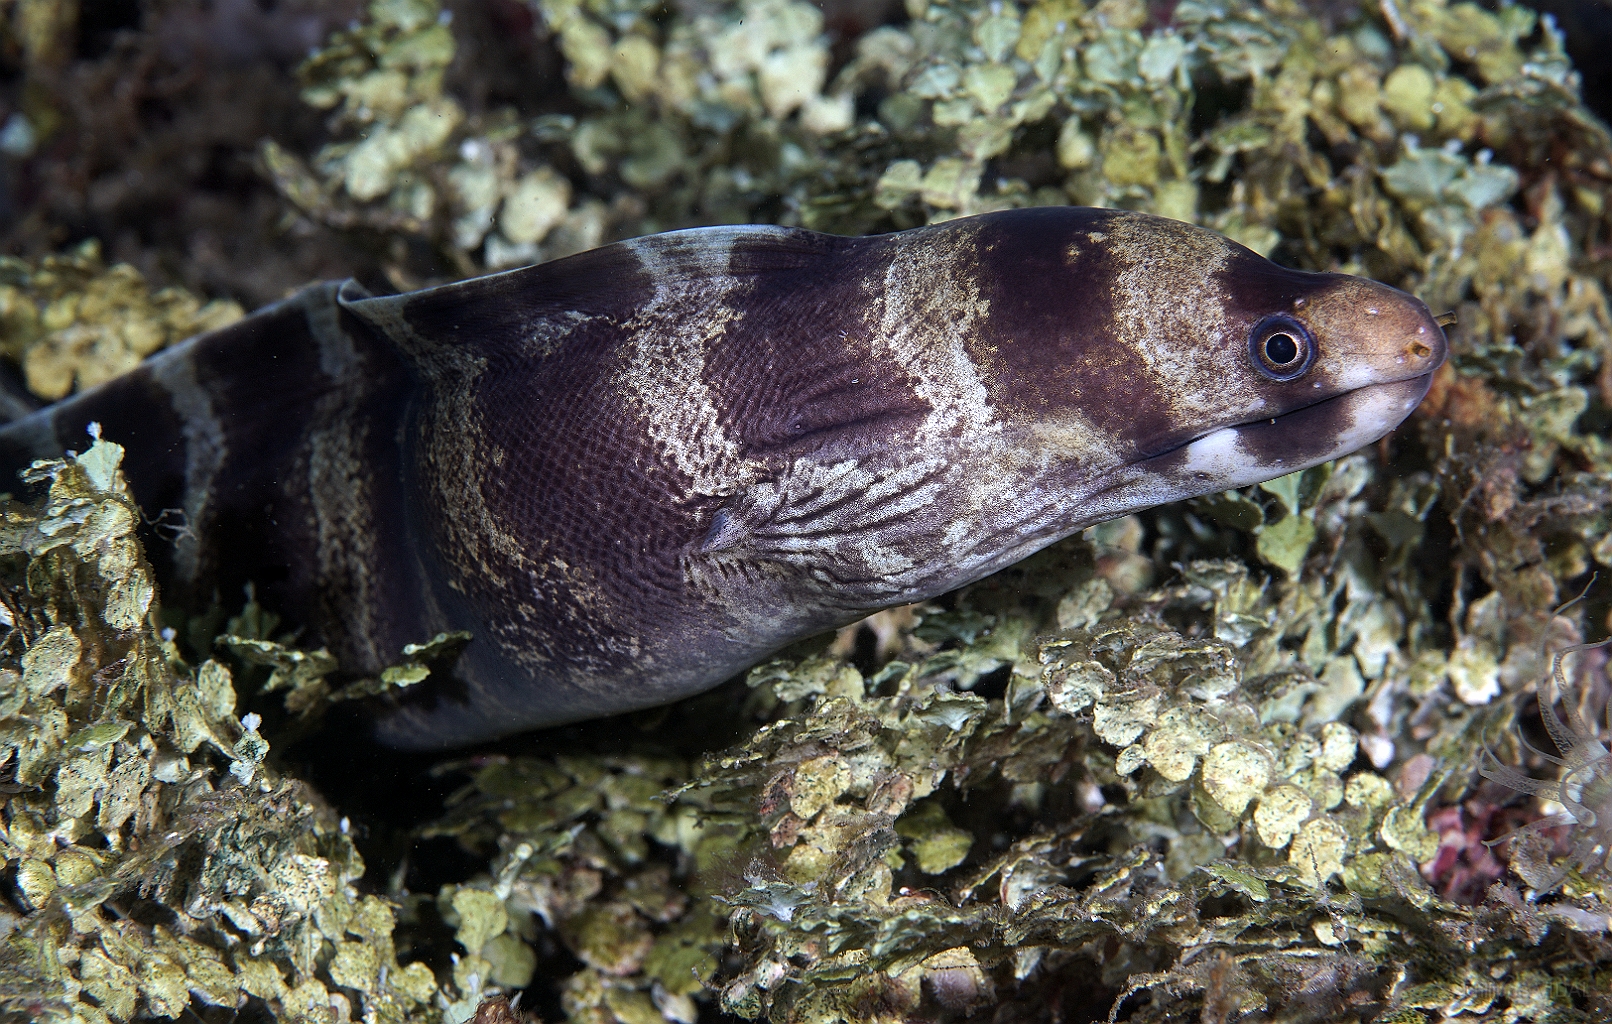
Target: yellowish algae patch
384 78
73 322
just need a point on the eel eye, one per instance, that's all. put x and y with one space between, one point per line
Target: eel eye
1281 347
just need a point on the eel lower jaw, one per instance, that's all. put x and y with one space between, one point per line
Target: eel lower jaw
1258 450
1255 451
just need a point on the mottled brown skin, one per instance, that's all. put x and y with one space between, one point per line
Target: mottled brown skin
636 471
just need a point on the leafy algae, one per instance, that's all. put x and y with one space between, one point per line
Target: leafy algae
157 860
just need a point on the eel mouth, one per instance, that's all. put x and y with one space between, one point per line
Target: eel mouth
1257 450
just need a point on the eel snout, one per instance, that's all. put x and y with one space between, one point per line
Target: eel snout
1372 334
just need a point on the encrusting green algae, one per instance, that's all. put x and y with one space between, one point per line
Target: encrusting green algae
1217 762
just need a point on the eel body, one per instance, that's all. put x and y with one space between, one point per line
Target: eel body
636 471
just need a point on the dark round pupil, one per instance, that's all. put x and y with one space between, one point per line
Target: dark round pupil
1281 349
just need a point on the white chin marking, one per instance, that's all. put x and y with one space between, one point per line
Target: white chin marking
1377 410
1220 456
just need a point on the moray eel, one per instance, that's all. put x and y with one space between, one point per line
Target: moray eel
634 472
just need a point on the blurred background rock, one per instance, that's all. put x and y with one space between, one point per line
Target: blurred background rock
142 124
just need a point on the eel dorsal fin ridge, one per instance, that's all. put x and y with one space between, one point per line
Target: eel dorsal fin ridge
527 312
